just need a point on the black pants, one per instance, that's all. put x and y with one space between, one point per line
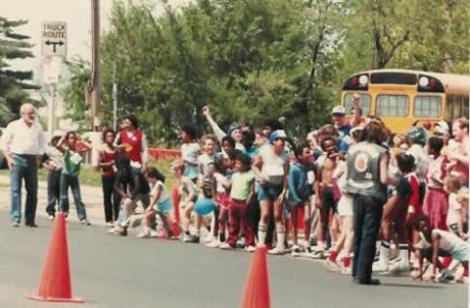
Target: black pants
53 191
367 217
110 198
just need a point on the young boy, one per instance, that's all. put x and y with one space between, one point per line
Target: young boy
300 181
53 162
190 151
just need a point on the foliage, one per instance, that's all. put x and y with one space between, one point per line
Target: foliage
259 59
13 84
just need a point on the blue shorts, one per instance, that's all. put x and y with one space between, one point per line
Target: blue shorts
268 192
164 206
460 252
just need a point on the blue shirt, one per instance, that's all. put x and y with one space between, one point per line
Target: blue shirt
300 181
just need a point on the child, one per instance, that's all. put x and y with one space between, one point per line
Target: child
107 165
187 193
222 177
160 203
436 243
300 180
326 192
436 202
189 151
207 191
454 217
242 191
53 162
69 145
132 186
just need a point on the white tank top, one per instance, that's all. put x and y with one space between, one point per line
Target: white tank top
273 165
163 194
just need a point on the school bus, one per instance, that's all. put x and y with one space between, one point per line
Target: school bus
404 97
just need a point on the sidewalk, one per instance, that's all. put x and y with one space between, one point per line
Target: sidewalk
92 197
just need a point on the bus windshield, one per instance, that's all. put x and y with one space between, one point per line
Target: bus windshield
392 105
365 103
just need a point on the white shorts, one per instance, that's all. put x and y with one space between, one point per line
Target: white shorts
345 205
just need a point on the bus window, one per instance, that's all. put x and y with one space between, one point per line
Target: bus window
457 107
427 107
465 107
390 105
365 103
449 107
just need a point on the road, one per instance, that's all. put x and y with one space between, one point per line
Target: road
110 271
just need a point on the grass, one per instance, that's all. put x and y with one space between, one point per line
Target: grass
91 176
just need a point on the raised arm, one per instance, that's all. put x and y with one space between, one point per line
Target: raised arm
218 132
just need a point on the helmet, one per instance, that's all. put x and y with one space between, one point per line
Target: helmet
417 135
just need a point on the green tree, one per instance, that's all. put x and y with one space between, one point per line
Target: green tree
13 83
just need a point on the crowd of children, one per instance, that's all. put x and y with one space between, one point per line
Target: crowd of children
259 187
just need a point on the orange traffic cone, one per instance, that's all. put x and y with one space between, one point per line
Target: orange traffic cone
256 294
55 284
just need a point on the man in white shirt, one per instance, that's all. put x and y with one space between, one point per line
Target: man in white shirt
22 142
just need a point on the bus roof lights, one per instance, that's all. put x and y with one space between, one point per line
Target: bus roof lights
363 80
424 81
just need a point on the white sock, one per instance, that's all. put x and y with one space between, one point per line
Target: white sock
404 253
384 253
262 234
281 235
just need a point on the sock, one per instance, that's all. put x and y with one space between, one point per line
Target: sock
187 232
262 228
281 235
384 252
222 237
333 255
347 261
404 253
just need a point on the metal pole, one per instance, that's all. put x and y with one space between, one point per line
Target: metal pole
115 98
50 112
95 99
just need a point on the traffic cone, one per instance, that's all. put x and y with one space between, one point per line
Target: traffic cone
256 294
55 284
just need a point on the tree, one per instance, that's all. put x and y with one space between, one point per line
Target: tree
13 83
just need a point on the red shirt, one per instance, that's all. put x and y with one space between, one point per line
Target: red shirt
106 157
415 202
135 141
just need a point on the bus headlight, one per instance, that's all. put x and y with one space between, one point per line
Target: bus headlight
363 80
423 82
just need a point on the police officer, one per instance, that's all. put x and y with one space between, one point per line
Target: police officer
367 180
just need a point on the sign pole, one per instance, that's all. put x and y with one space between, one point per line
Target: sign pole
95 99
115 102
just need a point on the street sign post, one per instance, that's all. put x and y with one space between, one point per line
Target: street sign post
54 38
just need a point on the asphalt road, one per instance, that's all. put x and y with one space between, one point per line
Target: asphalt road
110 271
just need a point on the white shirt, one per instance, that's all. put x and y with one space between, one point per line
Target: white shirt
454 206
163 193
422 160
20 138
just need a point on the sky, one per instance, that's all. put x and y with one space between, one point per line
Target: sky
77 15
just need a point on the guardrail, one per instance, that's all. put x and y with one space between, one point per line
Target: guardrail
158 153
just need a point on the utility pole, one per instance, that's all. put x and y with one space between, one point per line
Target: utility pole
115 99
94 87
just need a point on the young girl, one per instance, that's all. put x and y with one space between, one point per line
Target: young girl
435 203
207 193
242 191
107 165
72 147
53 162
189 151
160 203
454 217
272 167
187 193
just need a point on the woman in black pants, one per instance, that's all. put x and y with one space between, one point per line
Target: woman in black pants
108 176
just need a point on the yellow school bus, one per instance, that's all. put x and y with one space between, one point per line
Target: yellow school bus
402 97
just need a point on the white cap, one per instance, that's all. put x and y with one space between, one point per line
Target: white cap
338 110
442 127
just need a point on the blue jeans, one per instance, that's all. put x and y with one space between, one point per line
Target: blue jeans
367 218
71 181
53 191
25 166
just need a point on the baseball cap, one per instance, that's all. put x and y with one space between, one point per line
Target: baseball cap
442 127
338 110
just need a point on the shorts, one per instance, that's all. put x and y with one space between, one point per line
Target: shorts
268 192
329 201
164 207
460 252
345 205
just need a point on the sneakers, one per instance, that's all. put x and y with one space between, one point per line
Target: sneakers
250 249
346 270
379 267
191 239
225 246
16 224
399 267
318 254
85 222
144 234
332 266
208 239
445 276
276 251
50 217
213 244
108 224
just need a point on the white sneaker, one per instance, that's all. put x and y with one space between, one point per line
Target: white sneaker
225 246
153 233
209 239
109 224
399 267
332 266
213 244
85 222
50 217
276 251
186 237
347 270
144 234
379 267
318 254
250 249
